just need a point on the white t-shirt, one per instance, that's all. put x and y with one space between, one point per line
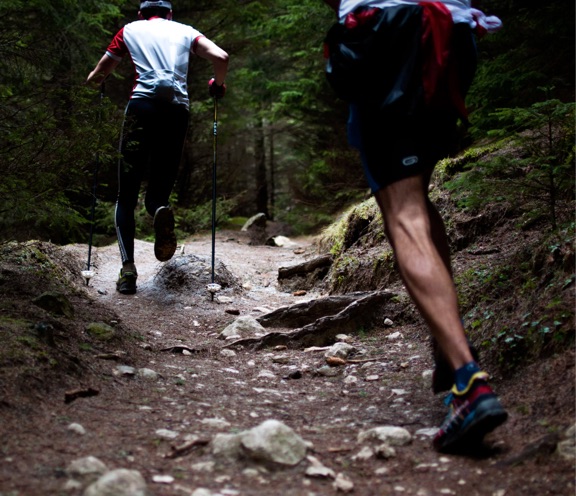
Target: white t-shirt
461 11
160 52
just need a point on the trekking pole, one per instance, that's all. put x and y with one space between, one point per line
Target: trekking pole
88 273
213 287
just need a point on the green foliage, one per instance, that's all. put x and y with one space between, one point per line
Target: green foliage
537 178
199 219
535 48
49 131
279 114
522 308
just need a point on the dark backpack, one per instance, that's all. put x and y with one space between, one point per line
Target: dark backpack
375 61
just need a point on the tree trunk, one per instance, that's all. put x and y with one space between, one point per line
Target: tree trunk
260 162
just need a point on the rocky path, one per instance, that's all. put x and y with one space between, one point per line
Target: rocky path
179 414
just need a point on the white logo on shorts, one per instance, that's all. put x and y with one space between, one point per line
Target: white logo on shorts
408 161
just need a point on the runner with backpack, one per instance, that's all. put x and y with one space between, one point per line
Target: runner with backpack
405 68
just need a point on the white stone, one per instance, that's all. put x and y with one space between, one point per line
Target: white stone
120 482
394 336
427 432
162 479
201 491
203 467
124 370
77 429
87 466
364 454
148 374
343 483
393 436
340 350
274 441
216 423
317 469
244 326
167 434
266 374
227 353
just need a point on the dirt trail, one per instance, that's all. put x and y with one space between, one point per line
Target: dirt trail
121 422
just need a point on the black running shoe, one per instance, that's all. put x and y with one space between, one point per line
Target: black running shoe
126 283
474 412
165 244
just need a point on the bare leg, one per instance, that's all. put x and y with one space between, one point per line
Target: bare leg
418 237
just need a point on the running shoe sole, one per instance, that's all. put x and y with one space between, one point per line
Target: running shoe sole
165 243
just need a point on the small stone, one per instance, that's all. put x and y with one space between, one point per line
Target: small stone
394 336
372 378
227 353
388 322
393 436
167 434
340 350
300 292
364 454
162 479
266 374
202 491
343 483
203 466
148 374
86 467
77 429
351 379
317 469
216 423
427 432
327 371
119 482
125 370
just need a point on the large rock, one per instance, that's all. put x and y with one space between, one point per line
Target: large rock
119 482
245 326
273 442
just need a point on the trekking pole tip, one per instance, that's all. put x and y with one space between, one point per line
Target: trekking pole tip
87 275
213 288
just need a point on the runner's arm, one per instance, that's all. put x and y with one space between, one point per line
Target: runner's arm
104 67
210 51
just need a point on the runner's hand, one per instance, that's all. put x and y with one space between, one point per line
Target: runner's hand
215 90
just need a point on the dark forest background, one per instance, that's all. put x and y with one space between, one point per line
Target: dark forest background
282 144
